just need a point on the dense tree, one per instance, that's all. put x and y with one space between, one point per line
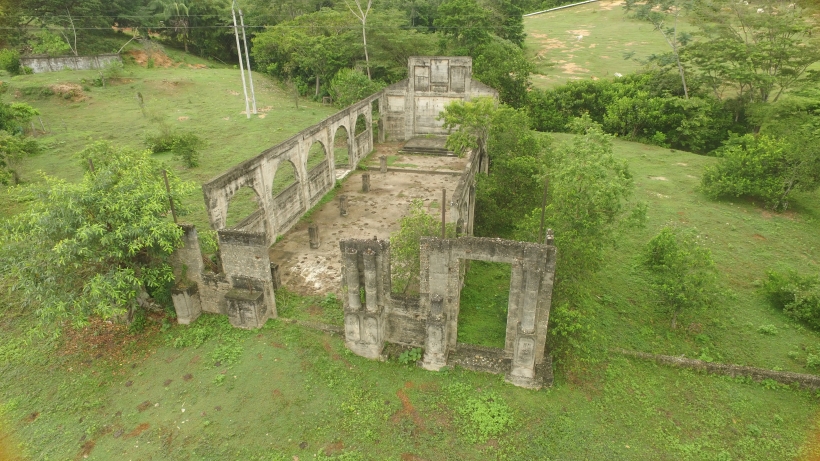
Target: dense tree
93 247
754 52
311 47
664 15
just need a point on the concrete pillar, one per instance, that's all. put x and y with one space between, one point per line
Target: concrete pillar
343 205
313 233
366 182
435 342
550 240
460 227
370 281
352 279
383 164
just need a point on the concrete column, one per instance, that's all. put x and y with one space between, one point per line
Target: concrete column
352 279
383 164
435 342
513 304
370 282
366 182
313 233
550 240
343 205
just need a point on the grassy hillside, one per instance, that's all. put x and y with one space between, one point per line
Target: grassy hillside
285 392
606 34
189 94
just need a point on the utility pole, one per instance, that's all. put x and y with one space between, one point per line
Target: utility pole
241 65
247 58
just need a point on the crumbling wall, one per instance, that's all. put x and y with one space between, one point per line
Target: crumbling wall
44 63
243 290
279 213
462 203
375 316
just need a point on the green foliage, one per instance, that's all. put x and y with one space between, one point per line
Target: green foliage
404 244
184 145
638 107
13 148
587 201
89 248
502 65
483 414
769 330
350 86
797 295
681 270
754 51
411 356
10 61
762 167
15 116
48 43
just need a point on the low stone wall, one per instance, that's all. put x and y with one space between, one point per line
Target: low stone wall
728 369
40 64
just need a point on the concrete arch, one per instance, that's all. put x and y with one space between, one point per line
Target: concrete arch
239 216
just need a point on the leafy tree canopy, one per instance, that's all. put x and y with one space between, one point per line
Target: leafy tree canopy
92 247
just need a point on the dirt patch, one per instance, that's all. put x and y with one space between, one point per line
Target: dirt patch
758 237
85 450
329 349
142 427
682 164
167 382
579 33
32 417
658 178
407 409
572 68
183 118
314 310
71 91
607 6
811 450
197 66
104 340
157 57
188 377
334 448
143 406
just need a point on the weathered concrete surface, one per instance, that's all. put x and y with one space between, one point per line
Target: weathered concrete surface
375 317
44 63
373 214
409 108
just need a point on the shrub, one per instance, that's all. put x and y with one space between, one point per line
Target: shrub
797 295
184 146
762 167
680 270
350 85
10 61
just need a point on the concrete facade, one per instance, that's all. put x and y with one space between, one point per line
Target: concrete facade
44 63
409 108
375 316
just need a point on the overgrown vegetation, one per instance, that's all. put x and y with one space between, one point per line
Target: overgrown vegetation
681 271
93 247
797 295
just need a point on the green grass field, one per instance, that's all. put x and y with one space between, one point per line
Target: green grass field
205 101
606 33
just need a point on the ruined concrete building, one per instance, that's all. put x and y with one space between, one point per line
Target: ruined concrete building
373 315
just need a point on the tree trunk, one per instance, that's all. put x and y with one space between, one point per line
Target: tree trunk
317 86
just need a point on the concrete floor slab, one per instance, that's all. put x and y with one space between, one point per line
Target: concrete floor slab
373 214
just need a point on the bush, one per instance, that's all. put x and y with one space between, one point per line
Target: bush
762 167
643 107
10 61
184 146
350 86
797 295
680 270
